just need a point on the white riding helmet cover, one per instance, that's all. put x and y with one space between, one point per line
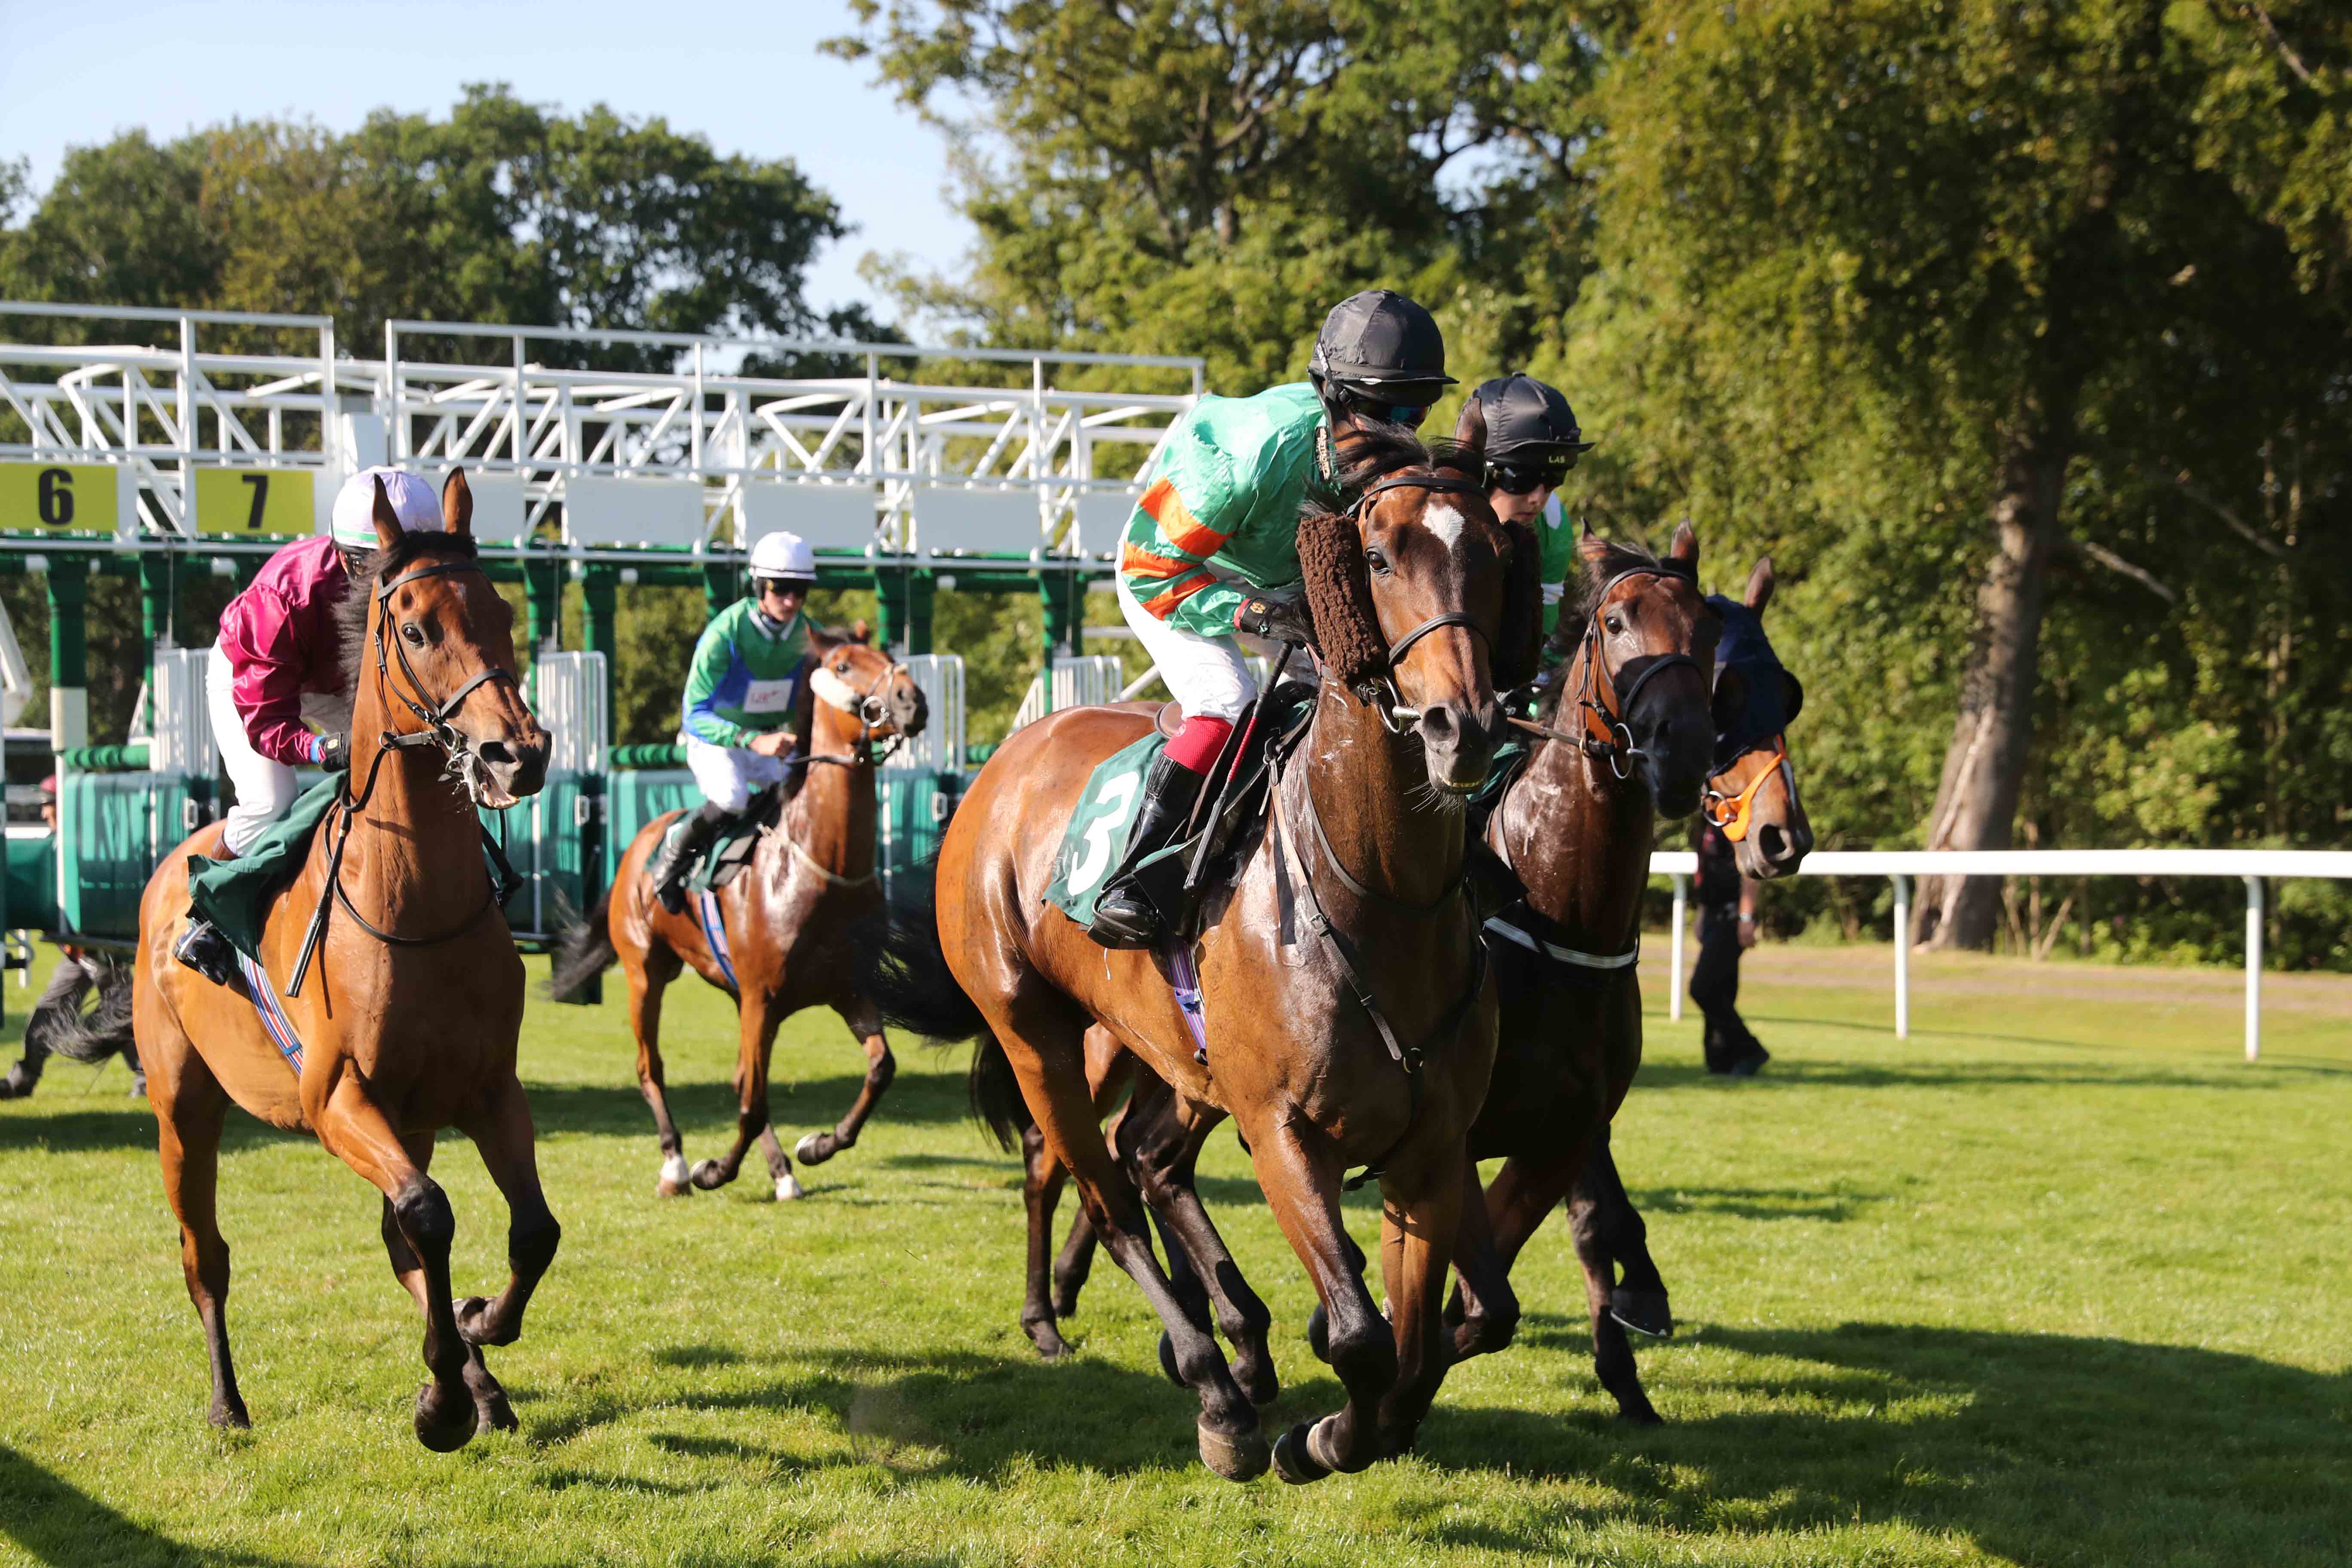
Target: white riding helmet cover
784 555
413 501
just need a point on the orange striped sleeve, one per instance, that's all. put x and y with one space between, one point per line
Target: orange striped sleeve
1177 524
1163 603
1136 562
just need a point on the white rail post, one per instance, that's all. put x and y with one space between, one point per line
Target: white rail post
1902 957
1675 986
2253 969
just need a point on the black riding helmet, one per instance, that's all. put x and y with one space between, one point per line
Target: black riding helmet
1531 432
1380 349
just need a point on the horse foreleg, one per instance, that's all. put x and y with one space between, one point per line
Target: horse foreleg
190 1106
1639 1299
356 1131
1041 1193
503 1133
756 1020
491 1410
1484 1312
1164 1152
1613 1353
1420 1218
881 1067
645 988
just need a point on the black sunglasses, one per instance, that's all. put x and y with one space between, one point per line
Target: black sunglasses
1519 478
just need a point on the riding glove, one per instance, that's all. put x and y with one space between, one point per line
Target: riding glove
334 753
1275 620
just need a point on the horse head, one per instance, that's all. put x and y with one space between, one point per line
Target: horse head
441 641
867 686
1752 796
1649 647
1424 603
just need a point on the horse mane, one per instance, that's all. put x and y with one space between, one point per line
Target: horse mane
1330 552
351 612
1603 561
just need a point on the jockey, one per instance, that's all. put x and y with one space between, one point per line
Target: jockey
1532 440
277 668
1220 524
738 694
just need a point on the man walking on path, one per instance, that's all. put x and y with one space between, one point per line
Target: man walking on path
1727 928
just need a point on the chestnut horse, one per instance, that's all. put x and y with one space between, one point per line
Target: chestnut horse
1752 795
408 1015
1349 1019
785 918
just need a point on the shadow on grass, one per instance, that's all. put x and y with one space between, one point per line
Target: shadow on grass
2038 1448
129 1124
1786 1072
709 1108
51 1521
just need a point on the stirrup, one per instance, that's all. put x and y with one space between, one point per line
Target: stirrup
203 949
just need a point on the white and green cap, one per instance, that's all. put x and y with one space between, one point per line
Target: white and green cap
413 501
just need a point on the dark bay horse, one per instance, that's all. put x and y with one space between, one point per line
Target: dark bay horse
1344 981
785 916
409 1012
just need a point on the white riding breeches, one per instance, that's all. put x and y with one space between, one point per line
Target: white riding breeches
1207 675
264 788
728 775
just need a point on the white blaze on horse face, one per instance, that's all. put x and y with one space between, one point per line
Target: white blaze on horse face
833 690
1446 521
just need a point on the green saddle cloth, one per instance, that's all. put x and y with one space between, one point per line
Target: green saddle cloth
1096 840
235 895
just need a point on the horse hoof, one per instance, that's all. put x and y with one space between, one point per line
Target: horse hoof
494 1414
444 1424
1318 1335
232 1416
788 1188
1640 1414
1294 1460
1643 1311
1242 1457
675 1181
705 1175
815 1149
1048 1341
1168 1362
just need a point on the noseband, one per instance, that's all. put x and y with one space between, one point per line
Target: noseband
436 719
1380 692
869 708
1728 813
1603 715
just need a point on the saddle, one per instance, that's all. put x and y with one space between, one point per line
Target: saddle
1226 821
737 841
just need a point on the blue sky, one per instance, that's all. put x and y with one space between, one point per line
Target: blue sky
748 77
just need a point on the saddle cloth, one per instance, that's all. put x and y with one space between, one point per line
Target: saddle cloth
731 850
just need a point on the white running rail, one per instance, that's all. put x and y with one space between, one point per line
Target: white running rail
2250 866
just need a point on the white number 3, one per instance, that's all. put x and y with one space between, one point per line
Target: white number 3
1096 862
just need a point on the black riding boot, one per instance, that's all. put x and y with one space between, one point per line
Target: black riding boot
1129 914
668 871
205 950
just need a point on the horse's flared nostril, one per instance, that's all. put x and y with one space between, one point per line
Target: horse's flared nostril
498 753
1438 724
1772 843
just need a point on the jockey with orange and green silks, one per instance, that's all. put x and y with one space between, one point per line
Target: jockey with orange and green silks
1219 525
1532 441
739 693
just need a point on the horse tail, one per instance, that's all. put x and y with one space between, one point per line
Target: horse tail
587 953
61 1024
997 1103
902 970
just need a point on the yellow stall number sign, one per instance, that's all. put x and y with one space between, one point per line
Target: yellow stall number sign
254 501
55 496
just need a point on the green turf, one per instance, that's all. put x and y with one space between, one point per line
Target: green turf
2067 1284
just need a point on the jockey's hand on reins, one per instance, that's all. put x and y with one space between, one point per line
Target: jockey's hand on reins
1276 619
335 753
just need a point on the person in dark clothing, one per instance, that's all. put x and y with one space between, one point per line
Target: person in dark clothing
1727 928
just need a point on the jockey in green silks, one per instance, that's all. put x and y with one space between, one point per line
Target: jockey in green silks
1219 527
739 694
1532 441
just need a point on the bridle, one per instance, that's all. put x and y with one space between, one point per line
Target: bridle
1728 813
1603 734
438 731
1380 691
869 708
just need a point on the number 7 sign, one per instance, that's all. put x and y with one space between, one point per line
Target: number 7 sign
254 502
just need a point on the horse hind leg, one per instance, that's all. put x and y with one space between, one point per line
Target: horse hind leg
191 1106
502 1131
1109 1072
646 984
1041 1193
881 1067
1613 1353
1162 1149
1639 1299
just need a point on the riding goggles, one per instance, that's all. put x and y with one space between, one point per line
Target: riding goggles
1521 478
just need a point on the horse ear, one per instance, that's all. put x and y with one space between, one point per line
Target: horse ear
386 521
859 631
1591 547
1339 597
1470 430
456 504
1685 545
1760 585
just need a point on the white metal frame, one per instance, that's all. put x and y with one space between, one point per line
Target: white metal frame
2250 866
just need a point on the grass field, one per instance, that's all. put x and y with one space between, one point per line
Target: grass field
2061 1281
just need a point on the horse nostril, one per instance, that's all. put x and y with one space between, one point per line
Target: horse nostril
498 753
1772 843
1437 723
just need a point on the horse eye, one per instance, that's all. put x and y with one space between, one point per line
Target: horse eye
1376 560
1615 625
415 637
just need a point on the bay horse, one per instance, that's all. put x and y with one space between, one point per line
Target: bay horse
1349 1016
785 919
407 1019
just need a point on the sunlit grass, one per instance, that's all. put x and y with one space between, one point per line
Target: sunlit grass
2061 1281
